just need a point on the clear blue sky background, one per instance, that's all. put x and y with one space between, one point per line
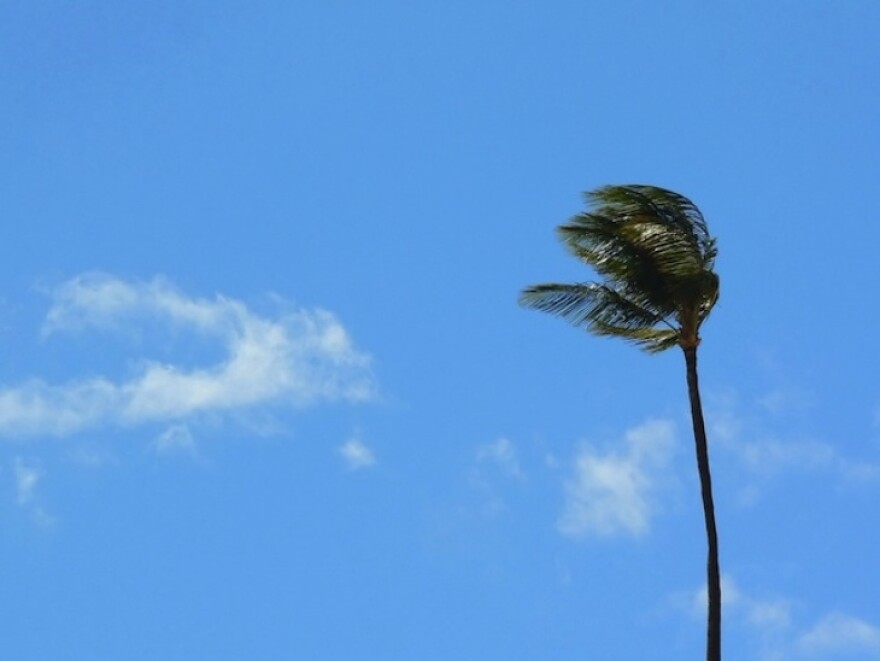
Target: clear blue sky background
265 390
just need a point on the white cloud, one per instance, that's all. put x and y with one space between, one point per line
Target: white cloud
783 400
723 420
495 465
761 613
612 492
177 438
771 456
27 477
294 358
770 614
104 301
502 454
840 633
836 635
37 408
356 455
764 455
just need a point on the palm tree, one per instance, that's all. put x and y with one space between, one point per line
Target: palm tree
654 253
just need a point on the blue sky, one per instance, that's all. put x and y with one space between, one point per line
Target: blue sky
265 390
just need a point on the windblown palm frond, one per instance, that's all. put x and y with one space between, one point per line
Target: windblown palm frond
653 250
601 309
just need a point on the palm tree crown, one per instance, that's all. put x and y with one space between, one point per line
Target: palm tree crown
654 253
653 250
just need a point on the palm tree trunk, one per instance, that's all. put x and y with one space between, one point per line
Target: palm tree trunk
713 574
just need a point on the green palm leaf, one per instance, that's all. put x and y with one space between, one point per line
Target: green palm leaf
653 251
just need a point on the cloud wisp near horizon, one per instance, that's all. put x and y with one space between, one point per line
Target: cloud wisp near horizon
295 358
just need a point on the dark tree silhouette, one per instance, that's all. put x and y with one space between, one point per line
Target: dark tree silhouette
655 256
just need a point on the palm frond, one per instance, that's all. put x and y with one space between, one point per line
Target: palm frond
652 340
709 292
634 255
591 305
657 204
653 250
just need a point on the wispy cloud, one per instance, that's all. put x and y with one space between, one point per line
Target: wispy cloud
761 613
28 474
294 358
770 456
783 400
495 466
27 477
771 626
765 455
175 439
502 454
356 455
613 492
840 633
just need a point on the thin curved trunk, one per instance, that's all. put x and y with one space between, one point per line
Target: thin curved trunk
713 574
